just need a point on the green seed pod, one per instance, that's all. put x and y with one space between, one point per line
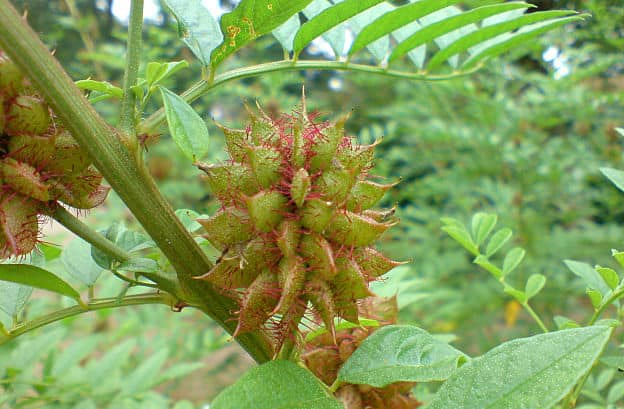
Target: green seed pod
291 275
18 218
228 181
366 194
11 79
288 236
25 179
258 302
37 150
324 151
316 214
227 227
353 229
68 158
320 296
319 255
372 263
265 164
295 196
28 115
335 184
300 187
266 209
236 141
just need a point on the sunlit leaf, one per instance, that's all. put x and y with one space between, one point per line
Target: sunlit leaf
37 278
400 353
291 387
187 128
533 372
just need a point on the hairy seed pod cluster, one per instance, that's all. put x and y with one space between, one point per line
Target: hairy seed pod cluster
324 358
296 227
40 163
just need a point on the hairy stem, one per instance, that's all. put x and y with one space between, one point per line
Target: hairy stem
133 59
93 305
73 224
203 87
119 166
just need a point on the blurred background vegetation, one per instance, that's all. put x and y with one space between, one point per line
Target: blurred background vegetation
523 138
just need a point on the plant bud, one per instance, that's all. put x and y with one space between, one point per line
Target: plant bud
28 115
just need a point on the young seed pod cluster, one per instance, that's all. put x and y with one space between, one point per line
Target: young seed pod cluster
296 227
324 358
40 163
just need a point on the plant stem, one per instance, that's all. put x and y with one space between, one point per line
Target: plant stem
73 224
536 317
131 281
93 305
119 166
202 87
127 121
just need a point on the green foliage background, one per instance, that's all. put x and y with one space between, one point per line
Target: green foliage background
511 139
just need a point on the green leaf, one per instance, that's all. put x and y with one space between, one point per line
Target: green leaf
450 24
197 27
187 128
400 353
595 297
615 176
156 72
513 259
78 262
479 37
276 385
73 354
498 240
37 278
618 256
146 375
251 19
178 371
565 322
189 219
101 86
482 226
285 33
461 235
396 19
534 285
535 372
591 277
616 393
110 362
521 36
329 18
13 297
609 276
139 265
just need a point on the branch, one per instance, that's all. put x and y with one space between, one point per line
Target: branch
133 59
73 224
97 304
203 87
130 180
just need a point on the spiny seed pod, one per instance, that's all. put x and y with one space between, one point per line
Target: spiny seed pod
296 224
325 354
40 163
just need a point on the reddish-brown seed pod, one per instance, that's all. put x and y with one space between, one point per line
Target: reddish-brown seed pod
40 163
302 186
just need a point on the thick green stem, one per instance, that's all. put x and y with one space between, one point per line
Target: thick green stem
133 59
73 224
118 165
203 87
93 305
